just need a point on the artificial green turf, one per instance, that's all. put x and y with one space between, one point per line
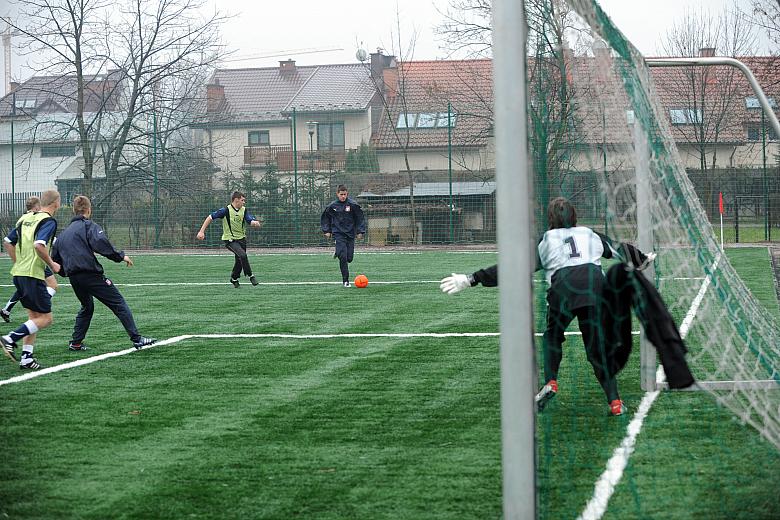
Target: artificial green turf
338 428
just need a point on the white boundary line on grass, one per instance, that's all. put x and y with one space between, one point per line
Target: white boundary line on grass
176 339
609 480
198 284
227 284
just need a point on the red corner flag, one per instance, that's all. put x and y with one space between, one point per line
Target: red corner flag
720 202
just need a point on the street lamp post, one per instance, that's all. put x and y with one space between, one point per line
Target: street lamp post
311 127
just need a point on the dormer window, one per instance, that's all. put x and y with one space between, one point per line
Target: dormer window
25 103
425 120
406 120
752 102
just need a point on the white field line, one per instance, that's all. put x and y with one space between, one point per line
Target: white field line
609 480
227 284
324 252
176 339
199 284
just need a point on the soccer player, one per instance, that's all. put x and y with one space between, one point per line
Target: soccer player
75 250
32 204
234 217
30 254
343 220
571 258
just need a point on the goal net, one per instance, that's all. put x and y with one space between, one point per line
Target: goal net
600 137
605 134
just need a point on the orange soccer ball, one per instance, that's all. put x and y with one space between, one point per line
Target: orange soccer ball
361 281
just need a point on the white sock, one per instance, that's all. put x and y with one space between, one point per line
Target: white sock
31 326
52 291
27 354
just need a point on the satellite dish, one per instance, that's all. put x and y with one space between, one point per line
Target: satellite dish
361 55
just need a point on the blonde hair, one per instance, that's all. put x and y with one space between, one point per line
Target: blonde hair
49 197
32 203
81 205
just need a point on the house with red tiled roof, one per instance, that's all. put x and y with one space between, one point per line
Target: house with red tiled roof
436 111
268 117
714 114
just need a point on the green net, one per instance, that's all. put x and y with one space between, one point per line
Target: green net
600 137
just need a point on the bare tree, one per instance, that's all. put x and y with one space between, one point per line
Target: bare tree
710 94
125 62
467 28
67 34
766 15
391 97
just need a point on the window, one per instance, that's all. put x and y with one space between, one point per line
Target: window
25 103
425 120
259 138
685 116
752 102
441 122
58 150
406 120
330 136
630 118
754 132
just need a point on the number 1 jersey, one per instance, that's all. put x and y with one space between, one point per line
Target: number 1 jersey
570 247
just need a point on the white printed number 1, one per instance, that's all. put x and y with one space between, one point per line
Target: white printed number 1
574 253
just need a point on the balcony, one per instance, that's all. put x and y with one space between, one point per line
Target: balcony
282 158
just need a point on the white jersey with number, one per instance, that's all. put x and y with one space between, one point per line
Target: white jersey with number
569 247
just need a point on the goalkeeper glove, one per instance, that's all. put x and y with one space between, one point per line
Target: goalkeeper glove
455 283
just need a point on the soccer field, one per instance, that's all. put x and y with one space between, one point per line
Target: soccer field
299 398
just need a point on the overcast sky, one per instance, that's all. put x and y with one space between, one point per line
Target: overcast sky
263 32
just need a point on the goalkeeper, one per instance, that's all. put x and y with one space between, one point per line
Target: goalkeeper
571 258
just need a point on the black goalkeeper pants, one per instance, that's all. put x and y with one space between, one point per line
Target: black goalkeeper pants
589 319
238 248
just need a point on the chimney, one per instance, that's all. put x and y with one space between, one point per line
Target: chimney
568 61
707 52
384 72
215 96
14 86
287 66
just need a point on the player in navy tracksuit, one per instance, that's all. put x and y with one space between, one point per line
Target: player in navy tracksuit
75 249
343 220
571 258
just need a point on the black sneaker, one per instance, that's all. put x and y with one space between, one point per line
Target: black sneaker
5 315
143 342
8 348
76 346
234 282
346 284
253 280
30 365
